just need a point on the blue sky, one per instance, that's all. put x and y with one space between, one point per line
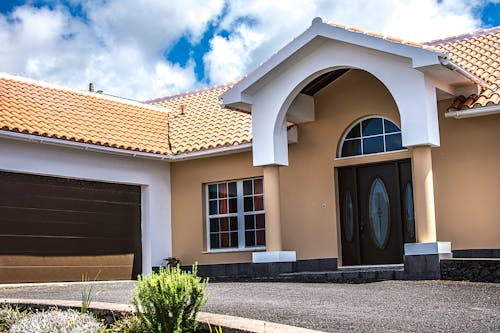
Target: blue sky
150 48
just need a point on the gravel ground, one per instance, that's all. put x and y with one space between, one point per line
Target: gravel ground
391 306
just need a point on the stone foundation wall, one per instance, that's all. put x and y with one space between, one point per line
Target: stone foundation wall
477 270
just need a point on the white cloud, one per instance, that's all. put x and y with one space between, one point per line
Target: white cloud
275 23
223 63
120 45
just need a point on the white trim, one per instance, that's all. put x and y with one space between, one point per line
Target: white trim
240 214
236 249
421 57
415 249
124 152
212 152
152 176
374 154
274 256
475 112
44 84
80 145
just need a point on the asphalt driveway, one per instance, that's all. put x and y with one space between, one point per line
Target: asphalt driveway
391 306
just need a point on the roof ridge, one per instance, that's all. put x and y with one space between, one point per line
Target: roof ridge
50 85
394 39
190 92
468 35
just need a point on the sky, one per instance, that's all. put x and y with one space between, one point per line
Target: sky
144 49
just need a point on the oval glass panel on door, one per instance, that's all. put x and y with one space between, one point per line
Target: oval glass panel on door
409 214
379 218
348 217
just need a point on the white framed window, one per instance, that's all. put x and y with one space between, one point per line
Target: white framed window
370 136
235 215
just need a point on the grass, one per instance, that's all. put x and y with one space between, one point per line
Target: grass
88 293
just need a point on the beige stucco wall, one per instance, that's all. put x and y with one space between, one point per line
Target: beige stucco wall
308 203
188 215
308 199
466 177
467 181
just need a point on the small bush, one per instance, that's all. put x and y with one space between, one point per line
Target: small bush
127 324
168 301
55 321
172 261
8 316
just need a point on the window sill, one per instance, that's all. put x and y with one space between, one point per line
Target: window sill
247 249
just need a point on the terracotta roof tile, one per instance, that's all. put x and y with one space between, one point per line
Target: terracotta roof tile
477 52
379 35
205 124
38 108
199 122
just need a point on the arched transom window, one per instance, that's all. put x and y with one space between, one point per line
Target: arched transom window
370 136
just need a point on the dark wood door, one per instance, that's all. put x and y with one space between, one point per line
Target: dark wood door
407 209
349 216
68 225
381 219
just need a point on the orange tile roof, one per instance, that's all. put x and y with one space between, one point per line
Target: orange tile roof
38 108
478 53
199 122
382 36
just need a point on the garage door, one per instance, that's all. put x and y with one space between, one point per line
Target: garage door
57 229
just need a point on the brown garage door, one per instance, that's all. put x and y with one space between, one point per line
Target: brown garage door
57 229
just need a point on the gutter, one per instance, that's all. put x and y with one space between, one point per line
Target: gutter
212 152
476 112
445 61
123 152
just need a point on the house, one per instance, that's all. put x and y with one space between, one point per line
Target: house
344 148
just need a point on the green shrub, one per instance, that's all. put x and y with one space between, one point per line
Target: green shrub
56 321
8 316
127 324
168 301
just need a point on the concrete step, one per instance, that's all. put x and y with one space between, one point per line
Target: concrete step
349 275
372 268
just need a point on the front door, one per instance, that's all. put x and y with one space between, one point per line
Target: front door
376 212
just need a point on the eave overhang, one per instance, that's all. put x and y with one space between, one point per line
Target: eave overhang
428 60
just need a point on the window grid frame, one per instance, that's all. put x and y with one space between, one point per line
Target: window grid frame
240 213
361 137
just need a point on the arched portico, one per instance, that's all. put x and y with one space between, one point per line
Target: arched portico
269 110
274 90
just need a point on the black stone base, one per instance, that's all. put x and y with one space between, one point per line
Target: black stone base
251 271
416 267
477 253
477 270
422 267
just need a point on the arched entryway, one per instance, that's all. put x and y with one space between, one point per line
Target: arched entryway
278 92
375 201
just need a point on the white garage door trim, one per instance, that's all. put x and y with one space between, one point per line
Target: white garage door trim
153 177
